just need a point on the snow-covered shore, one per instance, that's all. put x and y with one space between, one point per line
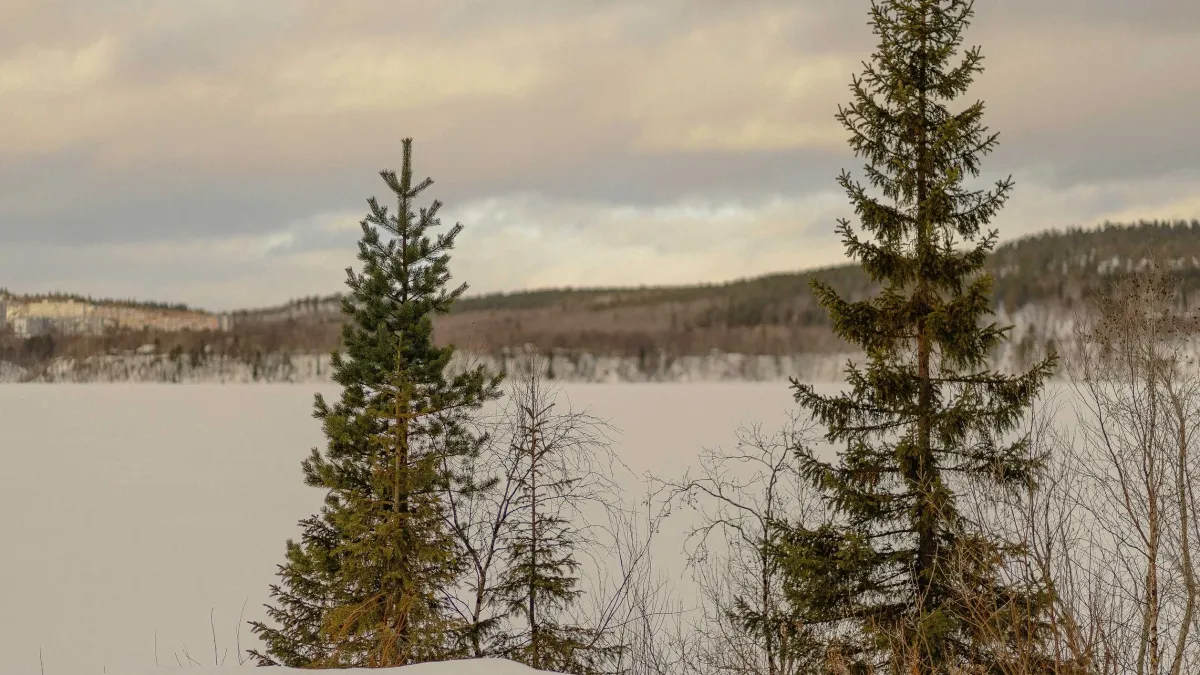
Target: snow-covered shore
1034 328
466 667
315 368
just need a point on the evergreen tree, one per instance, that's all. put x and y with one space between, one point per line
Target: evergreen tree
557 459
923 418
368 582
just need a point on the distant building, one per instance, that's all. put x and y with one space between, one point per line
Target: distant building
80 317
87 325
31 326
225 322
59 309
149 318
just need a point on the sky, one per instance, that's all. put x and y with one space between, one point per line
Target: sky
221 152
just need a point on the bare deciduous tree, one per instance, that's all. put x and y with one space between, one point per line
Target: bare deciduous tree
1137 381
1047 628
552 519
1109 529
746 499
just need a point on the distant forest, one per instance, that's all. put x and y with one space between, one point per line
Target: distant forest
116 302
773 314
777 314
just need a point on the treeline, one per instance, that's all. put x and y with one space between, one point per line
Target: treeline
115 302
772 315
1071 259
248 344
1067 257
1071 265
777 314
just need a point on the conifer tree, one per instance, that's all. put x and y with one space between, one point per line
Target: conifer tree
559 465
923 418
368 582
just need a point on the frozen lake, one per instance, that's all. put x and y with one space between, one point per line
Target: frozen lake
129 510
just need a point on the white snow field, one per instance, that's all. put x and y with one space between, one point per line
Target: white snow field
129 512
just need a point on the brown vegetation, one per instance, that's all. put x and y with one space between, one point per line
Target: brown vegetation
246 343
770 315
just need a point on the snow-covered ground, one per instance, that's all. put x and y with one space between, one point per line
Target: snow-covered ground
130 511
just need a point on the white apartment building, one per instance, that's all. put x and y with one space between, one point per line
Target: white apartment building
59 309
32 326
79 317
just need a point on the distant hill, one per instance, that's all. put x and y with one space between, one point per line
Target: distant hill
776 314
772 314
7 296
1037 278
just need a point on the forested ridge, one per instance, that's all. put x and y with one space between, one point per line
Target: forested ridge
1074 260
776 313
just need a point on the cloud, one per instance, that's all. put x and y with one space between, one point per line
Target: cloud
738 84
195 148
522 240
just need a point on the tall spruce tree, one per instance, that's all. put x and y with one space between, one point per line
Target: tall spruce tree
369 581
923 418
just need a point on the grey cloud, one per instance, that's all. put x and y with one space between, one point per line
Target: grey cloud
1151 16
65 203
187 170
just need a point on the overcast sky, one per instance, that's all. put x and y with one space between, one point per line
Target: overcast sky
220 152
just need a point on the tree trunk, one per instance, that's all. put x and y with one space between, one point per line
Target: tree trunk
534 642
922 476
399 502
400 494
767 609
1148 647
1183 493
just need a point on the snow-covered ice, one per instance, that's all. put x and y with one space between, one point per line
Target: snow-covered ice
129 511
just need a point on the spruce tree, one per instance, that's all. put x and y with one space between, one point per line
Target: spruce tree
369 581
558 457
922 418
